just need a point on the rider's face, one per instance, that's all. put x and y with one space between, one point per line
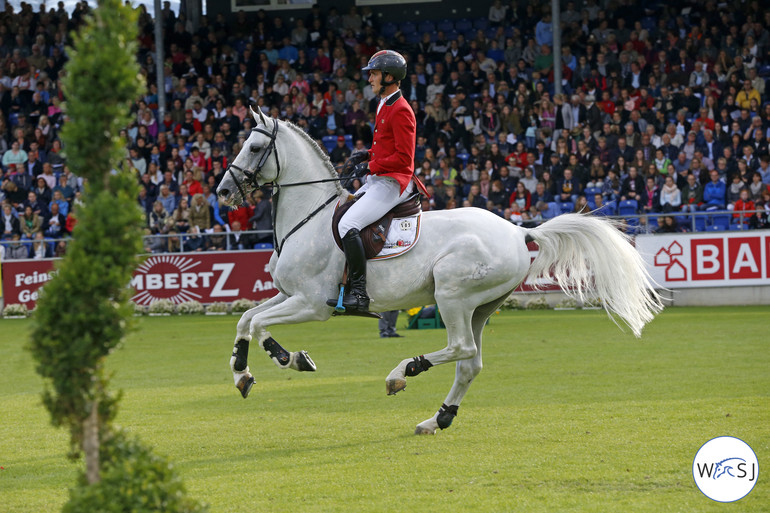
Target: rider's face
375 80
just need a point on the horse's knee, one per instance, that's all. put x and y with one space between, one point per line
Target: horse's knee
461 352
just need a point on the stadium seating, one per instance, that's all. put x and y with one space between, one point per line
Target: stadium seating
389 30
329 141
552 211
628 208
407 27
445 25
426 26
481 23
565 207
722 222
463 25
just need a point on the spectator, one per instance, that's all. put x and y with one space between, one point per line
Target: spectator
30 222
54 226
181 216
9 222
692 194
16 156
670 195
16 250
744 209
217 240
341 152
714 193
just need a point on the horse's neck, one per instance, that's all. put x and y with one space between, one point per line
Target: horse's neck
295 203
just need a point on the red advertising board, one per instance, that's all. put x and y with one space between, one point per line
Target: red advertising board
707 260
180 277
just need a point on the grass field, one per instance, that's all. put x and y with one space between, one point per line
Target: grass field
569 414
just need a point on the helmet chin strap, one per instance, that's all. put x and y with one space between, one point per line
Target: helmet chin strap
385 83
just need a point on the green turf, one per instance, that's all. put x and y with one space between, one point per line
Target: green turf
569 414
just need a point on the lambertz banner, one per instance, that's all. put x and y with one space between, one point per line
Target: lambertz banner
180 277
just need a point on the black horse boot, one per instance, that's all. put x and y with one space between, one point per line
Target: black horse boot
355 298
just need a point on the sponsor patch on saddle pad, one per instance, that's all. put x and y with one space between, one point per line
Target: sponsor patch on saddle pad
402 236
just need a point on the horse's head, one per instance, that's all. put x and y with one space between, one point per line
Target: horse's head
256 164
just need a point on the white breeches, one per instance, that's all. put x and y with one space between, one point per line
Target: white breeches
382 194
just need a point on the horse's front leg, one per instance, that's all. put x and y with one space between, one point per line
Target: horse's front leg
280 309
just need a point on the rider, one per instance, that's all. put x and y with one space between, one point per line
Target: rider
389 166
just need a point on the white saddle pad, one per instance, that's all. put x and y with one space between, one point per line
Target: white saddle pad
402 236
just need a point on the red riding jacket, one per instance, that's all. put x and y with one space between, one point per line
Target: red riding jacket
392 152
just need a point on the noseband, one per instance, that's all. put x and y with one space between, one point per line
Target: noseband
251 176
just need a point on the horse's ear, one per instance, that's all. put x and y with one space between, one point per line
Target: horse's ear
258 116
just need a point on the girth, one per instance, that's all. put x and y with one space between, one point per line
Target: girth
374 235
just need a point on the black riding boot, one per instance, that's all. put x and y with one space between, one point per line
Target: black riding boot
355 298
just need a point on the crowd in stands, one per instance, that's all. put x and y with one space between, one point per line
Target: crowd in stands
664 110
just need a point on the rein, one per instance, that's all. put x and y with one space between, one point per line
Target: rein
251 179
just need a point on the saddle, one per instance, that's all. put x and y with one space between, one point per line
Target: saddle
374 235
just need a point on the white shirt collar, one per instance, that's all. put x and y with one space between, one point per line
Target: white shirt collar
383 100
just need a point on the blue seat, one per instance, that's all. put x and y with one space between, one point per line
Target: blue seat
713 228
349 141
721 221
407 27
627 208
652 221
330 141
591 191
566 207
481 23
700 223
445 25
388 30
263 245
463 25
739 226
426 26
490 32
552 211
464 157
413 37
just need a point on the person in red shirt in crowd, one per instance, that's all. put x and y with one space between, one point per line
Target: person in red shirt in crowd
388 167
744 209
193 186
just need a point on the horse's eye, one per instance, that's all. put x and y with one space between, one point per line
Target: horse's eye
254 148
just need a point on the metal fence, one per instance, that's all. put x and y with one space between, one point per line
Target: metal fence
702 221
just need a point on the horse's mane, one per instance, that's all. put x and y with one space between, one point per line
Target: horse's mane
319 152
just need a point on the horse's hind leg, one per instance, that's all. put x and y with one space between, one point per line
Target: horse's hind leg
465 373
460 346
299 360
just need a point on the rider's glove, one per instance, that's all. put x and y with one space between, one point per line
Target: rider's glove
356 158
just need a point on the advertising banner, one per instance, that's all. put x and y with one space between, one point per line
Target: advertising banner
687 260
203 277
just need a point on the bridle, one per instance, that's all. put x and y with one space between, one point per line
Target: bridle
251 176
251 179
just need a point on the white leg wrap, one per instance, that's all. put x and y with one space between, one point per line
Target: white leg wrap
237 375
400 371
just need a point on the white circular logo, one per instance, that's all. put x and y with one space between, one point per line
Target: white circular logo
725 469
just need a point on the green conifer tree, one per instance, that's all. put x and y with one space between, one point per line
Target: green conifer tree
84 312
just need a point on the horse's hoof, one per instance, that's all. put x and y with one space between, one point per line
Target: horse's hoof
245 384
394 386
301 361
420 430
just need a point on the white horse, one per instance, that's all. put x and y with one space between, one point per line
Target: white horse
467 261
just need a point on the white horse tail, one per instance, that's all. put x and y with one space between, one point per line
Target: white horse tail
588 253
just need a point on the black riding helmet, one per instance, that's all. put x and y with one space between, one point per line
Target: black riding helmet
389 62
